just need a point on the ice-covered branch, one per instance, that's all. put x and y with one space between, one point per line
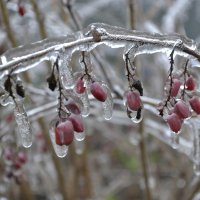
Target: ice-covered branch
23 58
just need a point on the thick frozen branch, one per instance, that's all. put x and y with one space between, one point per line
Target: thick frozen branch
23 58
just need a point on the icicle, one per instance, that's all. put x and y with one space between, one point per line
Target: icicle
79 147
65 71
24 128
86 104
174 140
107 104
61 151
79 136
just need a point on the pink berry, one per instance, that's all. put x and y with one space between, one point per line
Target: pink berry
64 133
174 122
77 123
175 87
98 91
133 100
182 109
190 83
72 107
79 87
21 10
195 104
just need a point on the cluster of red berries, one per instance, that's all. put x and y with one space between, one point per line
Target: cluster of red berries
179 110
73 123
96 89
13 164
65 129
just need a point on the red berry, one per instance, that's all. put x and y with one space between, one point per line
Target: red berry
195 104
21 157
182 109
98 91
79 87
21 10
175 87
190 83
72 107
174 122
133 100
64 133
77 123
17 164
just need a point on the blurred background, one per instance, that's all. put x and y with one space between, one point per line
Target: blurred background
118 160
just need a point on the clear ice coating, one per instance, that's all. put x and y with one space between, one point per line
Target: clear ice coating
23 124
6 99
25 57
86 62
147 43
65 71
174 140
61 151
107 104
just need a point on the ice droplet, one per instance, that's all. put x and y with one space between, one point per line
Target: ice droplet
107 104
174 140
135 116
24 128
61 151
79 136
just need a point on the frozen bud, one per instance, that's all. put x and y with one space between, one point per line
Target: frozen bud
80 87
133 100
182 110
190 83
64 133
98 91
174 122
72 107
77 123
195 104
175 87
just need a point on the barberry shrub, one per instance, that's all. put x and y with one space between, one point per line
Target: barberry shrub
85 83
